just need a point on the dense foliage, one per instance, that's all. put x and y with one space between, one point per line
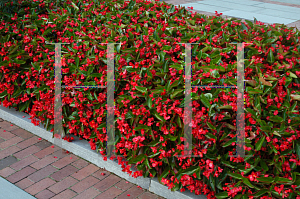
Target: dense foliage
149 94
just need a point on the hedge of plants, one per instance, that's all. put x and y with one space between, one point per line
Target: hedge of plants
149 90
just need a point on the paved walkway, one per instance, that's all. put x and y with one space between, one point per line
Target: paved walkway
44 171
266 11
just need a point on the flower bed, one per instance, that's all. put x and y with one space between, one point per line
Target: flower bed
149 82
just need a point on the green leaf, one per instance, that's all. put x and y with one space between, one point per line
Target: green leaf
225 107
137 159
212 182
259 144
208 81
261 193
270 57
141 89
288 81
178 120
177 66
276 119
166 66
265 128
210 136
253 91
205 101
212 127
266 179
281 180
235 175
96 75
75 6
141 126
176 92
297 149
191 170
18 61
229 142
159 117
172 138
295 97
22 106
264 165
129 115
3 94
292 108
164 173
293 75
149 102
247 182
222 195
77 61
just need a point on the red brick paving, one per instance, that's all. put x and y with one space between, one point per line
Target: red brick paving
107 182
5 125
85 184
42 173
80 163
23 184
22 133
39 186
23 163
28 142
20 174
45 152
147 195
67 194
64 161
45 194
62 185
9 151
26 152
43 162
6 135
110 193
98 175
123 185
88 194
84 172
6 172
10 142
133 191
64 172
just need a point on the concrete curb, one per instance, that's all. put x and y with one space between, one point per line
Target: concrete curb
82 149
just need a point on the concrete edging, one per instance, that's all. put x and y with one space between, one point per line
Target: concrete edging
82 149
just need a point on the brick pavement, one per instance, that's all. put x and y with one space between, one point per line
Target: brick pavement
30 164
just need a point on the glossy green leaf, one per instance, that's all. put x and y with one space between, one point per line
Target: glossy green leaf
222 195
229 142
270 57
205 101
141 89
259 144
276 119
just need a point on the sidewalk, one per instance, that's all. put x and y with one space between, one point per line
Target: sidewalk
31 168
266 11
